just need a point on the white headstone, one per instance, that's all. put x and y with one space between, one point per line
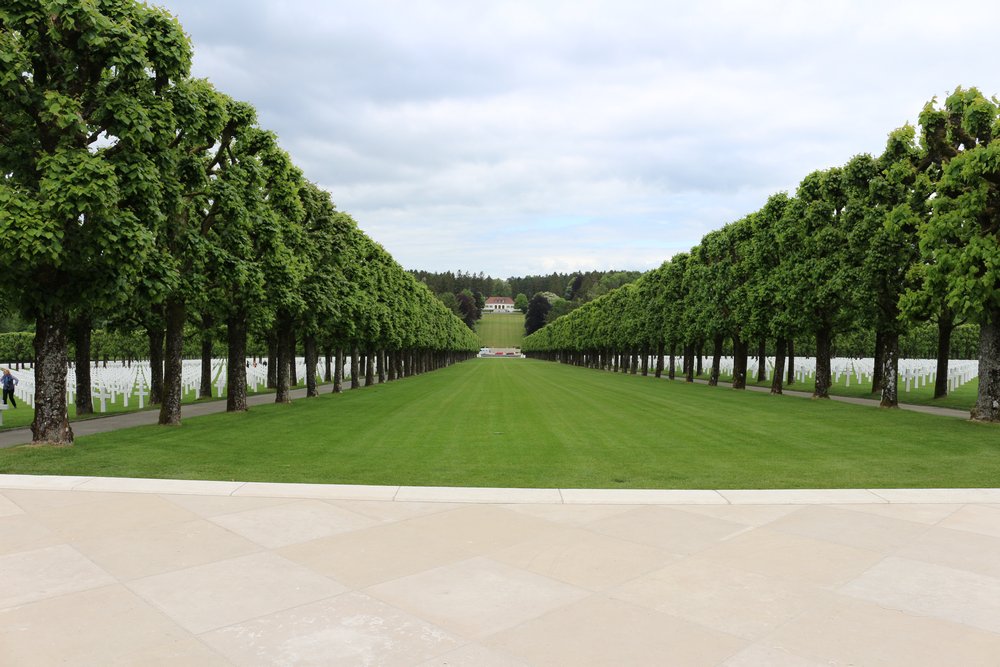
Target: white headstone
102 395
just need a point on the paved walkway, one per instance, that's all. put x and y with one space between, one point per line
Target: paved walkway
100 571
113 422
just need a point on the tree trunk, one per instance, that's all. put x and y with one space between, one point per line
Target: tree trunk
878 368
890 370
51 423
170 409
283 362
762 360
739 363
272 361
390 365
689 363
236 368
699 349
381 366
293 378
155 365
312 360
672 371
81 341
988 401
338 371
713 376
369 368
645 361
355 368
659 359
823 378
207 341
791 362
946 324
328 367
780 345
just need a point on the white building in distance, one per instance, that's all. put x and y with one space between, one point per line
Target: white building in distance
499 304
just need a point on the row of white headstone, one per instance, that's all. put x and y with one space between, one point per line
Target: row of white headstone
913 373
130 382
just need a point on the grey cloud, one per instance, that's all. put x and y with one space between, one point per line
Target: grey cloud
447 127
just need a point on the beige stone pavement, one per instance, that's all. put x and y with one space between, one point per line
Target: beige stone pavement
100 571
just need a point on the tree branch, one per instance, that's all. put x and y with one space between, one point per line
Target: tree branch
224 142
209 219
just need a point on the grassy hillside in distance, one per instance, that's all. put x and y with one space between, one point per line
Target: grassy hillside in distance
501 329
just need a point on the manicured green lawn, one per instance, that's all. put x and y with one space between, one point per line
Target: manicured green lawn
501 329
526 423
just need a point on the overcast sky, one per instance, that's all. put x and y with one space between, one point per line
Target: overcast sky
528 137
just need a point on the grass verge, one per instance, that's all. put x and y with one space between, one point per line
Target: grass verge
962 398
527 423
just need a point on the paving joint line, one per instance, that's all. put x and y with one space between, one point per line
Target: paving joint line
876 494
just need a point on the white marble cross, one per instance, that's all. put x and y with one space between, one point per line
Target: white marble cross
103 395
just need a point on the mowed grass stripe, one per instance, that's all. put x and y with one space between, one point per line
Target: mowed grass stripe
525 423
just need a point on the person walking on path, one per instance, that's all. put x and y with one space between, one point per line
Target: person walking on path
9 382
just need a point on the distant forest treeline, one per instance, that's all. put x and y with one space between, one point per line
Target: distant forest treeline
579 286
541 298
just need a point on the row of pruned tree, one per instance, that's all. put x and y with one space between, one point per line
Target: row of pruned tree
911 235
134 195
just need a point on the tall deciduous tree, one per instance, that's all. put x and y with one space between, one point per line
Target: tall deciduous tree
818 268
926 298
762 309
326 238
467 309
521 302
197 196
963 235
885 198
82 105
538 308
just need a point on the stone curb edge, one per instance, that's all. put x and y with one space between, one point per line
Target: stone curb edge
502 495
